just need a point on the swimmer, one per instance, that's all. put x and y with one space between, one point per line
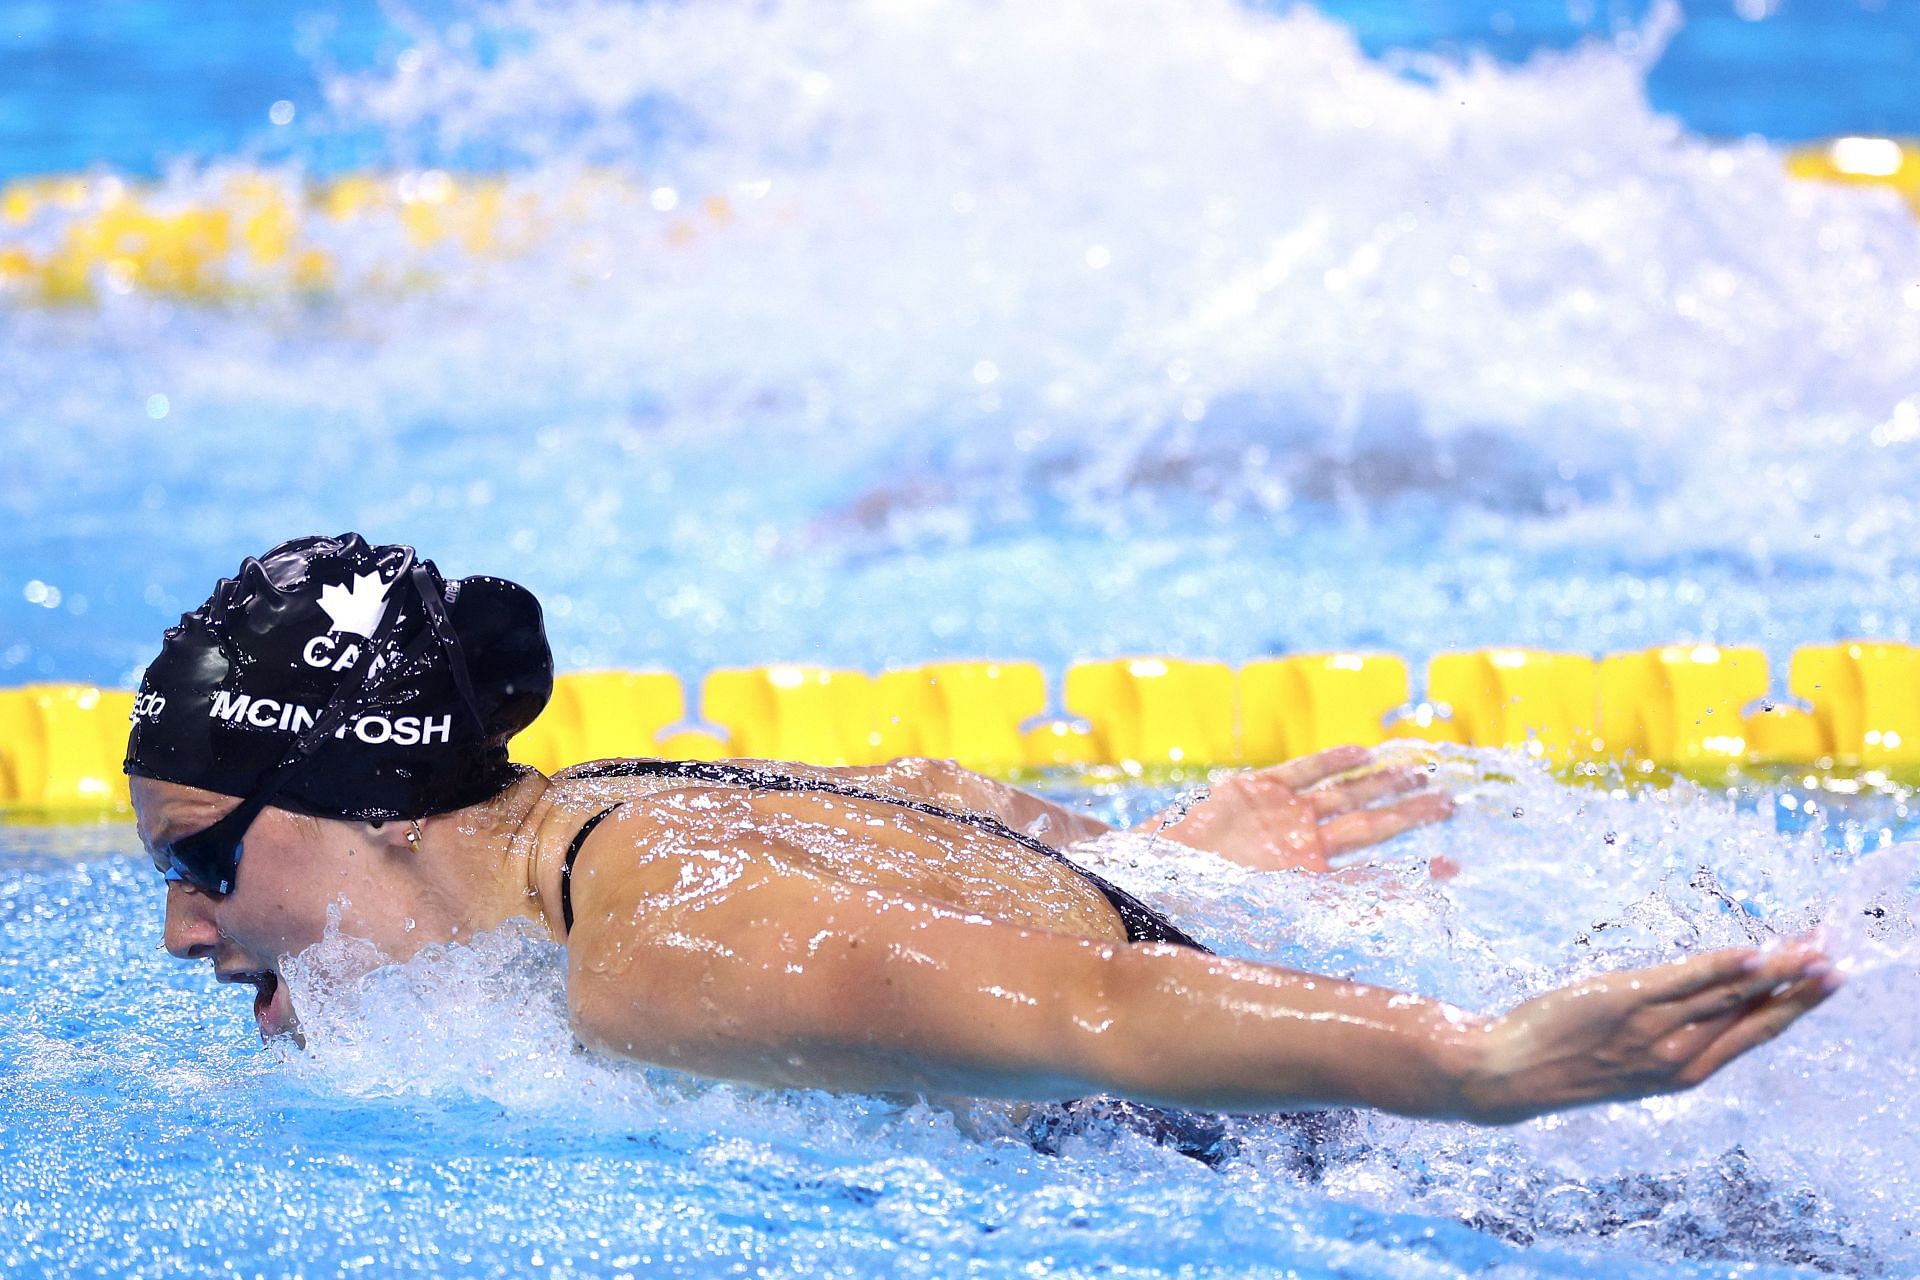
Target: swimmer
328 733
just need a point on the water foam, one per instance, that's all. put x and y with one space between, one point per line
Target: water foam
1269 270
960 275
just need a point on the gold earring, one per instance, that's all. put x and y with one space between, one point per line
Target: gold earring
413 834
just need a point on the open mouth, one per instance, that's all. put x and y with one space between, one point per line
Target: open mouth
266 985
263 993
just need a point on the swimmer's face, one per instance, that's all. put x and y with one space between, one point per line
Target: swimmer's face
294 869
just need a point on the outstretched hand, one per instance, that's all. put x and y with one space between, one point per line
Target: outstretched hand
1640 1031
1305 812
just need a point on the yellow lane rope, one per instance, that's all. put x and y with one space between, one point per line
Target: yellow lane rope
72 240
246 234
1696 707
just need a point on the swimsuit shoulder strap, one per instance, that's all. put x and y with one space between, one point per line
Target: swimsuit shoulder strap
566 868
1142 922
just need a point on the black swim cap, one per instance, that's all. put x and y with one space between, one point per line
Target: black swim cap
393 690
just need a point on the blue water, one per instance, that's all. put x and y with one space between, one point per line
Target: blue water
1098 328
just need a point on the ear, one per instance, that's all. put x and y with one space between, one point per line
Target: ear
387 837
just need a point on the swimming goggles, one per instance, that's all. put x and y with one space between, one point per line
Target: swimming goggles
209 859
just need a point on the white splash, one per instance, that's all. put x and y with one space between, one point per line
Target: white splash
1870 926
929 264
486 1018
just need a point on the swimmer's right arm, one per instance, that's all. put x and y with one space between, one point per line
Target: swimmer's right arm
792 981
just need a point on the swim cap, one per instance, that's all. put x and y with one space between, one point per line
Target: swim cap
352 679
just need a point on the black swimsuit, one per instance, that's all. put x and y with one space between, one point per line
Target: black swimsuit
1143 923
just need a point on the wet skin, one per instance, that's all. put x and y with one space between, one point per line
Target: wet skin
795 939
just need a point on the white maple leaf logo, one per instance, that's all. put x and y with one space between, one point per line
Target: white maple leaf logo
357 608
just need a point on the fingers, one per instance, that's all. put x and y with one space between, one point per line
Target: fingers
1695 974
1304 772
1734 968
1334 799
1353 831
1755 977
1768 1020
1757 1000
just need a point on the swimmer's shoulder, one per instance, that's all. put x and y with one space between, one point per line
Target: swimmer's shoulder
642 844
577 793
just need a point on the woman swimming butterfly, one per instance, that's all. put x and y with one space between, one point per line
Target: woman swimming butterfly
329 730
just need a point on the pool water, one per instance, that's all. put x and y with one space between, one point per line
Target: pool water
1138 326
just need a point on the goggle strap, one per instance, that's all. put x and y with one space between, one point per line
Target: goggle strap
435 605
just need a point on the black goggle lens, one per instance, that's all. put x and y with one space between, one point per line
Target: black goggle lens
209 858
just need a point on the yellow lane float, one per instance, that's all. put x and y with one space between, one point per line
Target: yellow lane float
1548 702
1859 161
597 715
790 712
1297 705
60 748
973 712
242 235
1681 704
1155 710
1865 700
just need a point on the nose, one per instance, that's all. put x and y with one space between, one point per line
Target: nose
190 931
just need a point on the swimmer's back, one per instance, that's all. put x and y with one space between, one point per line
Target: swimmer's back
875 828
